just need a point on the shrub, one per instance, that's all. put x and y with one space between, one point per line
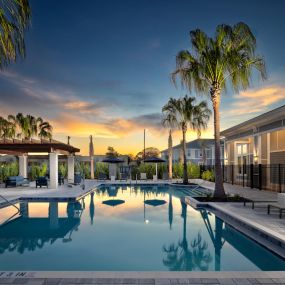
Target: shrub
100 167
63 169
208 175
177 170
8 169
193 171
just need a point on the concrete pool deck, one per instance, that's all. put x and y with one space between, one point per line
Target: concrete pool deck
151 278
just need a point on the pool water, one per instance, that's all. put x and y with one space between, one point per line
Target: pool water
143 228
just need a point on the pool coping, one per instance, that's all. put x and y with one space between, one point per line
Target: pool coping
268 238
141 274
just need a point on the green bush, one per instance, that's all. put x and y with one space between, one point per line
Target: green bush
63 169
8 169
193 171
100 167
177 170
37 170
208 175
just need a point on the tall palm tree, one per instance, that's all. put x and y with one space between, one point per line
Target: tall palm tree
14 19
167 121
185 113
225 60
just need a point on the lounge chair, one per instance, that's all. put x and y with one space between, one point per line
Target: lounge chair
280 207
41 181
77 178
102 176
14 181
113 178
143 176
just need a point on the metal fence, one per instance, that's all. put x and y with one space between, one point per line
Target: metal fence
261 176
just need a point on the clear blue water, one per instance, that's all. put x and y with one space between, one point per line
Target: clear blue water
123 228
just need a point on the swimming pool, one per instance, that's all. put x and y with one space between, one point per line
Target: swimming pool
122 228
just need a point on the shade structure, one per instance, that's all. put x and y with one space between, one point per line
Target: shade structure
112 160
155 202
113 202
155 160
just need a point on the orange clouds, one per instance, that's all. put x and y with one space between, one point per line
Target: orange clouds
253 101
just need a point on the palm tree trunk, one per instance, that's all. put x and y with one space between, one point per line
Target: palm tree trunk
185 175
219 187
170 155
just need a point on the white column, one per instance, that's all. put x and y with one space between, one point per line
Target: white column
53 170
70 169
23 165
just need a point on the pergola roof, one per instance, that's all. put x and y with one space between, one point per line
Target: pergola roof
15 146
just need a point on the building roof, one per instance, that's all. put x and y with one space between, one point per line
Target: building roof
196 144
15 146
264 122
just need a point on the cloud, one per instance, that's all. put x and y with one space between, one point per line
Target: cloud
255 100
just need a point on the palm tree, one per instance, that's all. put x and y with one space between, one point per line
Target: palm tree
7 129
14 19
225 60
29 126
185 113
167 122
44 129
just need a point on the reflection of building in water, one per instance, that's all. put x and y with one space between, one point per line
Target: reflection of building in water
31 233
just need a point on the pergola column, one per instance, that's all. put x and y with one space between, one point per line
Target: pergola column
53 170
23 165
70 168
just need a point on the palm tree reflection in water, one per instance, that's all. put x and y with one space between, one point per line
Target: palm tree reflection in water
181 257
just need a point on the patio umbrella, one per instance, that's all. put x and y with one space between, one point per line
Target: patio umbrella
112 160
113 202
155 160
155 202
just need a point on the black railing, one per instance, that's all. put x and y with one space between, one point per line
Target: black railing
261 176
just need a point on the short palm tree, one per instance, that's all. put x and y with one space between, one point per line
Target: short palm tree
14 19
184 114
225 60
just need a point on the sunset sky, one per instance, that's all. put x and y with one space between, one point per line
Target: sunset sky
103 67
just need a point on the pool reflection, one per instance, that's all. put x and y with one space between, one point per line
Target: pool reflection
154 222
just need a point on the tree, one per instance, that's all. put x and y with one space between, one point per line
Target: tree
111 152
225 60
186 114
14 19
149 152
167 122
7 129
29 126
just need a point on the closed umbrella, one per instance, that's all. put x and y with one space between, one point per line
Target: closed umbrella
91 154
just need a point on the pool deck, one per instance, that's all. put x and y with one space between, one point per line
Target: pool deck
257 217
150 278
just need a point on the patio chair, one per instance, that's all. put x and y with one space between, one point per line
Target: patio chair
41 181
14 181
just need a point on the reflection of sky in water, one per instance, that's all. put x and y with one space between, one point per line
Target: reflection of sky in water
91 235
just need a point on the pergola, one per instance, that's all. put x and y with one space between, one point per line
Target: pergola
21 148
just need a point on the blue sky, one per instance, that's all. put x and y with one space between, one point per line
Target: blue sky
102 67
